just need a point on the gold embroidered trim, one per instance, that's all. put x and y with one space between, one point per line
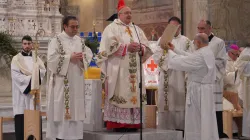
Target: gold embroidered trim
134 100
132 65
66 81
165 84
118 99
166 107
162 58
61 57
83 48
132 70
187 44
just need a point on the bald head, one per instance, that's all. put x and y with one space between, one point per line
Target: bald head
201 40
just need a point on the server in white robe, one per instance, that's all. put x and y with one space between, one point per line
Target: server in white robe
217 45
243 66
68 58
200 115
172 85
21 74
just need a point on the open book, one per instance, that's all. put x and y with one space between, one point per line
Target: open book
168 35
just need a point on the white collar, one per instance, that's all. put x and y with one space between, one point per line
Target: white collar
178 36
118 21
67 36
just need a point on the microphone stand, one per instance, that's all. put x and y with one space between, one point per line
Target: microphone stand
140 83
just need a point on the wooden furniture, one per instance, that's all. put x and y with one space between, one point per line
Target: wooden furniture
32 124
150 116
4 119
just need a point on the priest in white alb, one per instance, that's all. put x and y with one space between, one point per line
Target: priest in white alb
243 66
218 47
231 82
172 85
21 74
119 62
200 114
68 58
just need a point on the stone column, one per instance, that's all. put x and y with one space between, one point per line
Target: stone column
177 8
195 10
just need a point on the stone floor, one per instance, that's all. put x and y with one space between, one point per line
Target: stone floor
8 128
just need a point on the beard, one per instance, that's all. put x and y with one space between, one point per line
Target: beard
27 50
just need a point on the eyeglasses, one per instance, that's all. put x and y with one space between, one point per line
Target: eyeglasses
237 55
74 27
127 13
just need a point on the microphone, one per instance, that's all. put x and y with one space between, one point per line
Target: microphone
140 83
138 39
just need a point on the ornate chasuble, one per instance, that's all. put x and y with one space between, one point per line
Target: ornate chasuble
121 71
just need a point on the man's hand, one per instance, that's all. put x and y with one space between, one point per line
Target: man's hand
134 47
170 46
76 57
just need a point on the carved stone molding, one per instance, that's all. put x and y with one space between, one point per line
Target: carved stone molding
157 28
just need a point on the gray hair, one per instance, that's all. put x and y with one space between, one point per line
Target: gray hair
202 39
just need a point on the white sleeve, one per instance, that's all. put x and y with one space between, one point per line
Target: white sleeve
19 79
181 52
246 71
184 63
221 61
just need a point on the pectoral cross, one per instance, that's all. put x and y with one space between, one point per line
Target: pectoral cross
132 81
128 31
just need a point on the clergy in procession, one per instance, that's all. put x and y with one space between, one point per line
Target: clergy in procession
21 74
200 114
68 58
231 82
217 45
231 71
172 85
119 62
243 66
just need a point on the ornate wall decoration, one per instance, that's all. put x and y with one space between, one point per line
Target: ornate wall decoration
156 28
25 17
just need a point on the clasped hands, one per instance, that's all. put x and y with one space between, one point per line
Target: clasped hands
76 56
169 45
133 47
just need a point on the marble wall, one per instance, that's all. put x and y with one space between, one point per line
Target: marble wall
89 12
231 19
151 15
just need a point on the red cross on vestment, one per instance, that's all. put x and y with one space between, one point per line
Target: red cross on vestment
152 65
